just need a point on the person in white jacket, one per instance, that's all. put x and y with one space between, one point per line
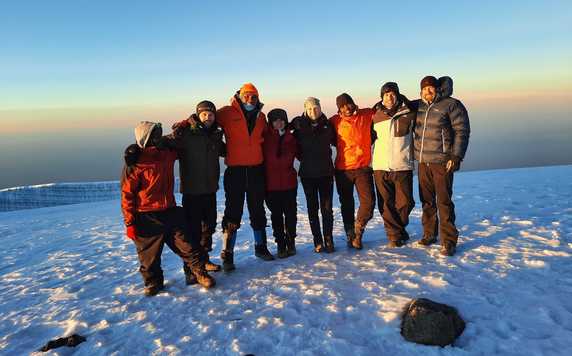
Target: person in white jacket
392 161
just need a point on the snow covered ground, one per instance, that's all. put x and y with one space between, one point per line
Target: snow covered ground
69 269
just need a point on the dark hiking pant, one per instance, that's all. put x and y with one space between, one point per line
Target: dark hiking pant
200 210
436 192
362 179
319 195
241 181
283 213
396 189
154 229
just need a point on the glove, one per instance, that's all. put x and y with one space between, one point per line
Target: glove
131 154
453 164
179 127
131 232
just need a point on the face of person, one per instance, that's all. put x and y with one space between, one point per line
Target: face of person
347 110
389 99
428 93
314 112
249 98
207 118
278 124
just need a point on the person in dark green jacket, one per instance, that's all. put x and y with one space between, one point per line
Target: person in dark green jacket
199 144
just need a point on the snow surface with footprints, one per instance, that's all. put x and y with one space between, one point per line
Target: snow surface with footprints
69 269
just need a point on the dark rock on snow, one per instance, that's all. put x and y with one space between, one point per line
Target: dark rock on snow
430 323
70 341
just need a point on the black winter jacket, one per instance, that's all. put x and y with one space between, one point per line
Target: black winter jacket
314 146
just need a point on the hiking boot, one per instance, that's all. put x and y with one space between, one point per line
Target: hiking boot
211 267
395 243
356 242
153 290
227 258
427 240
350 235
282 250
203 278
190 278
291 245
448 249
319 248
261 251
329 244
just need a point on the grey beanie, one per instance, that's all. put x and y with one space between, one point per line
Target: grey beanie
143 132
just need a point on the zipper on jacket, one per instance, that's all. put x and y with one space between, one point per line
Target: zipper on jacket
423 134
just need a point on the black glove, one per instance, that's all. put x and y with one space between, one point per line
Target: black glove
131 155
455 163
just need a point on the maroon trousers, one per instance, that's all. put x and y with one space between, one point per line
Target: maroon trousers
396 189
436 193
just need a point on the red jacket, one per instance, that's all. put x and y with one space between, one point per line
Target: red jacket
353 139
242 148
149 186
279 154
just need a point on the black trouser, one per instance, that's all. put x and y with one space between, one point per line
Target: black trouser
238 182
201 216
362 179
436 182
283 213
396 189
154 229
319 194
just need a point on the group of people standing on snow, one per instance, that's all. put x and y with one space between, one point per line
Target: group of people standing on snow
259 154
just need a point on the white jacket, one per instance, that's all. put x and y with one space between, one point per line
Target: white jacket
393 147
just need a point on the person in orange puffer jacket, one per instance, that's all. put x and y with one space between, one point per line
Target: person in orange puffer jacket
352 166
150 213
280 149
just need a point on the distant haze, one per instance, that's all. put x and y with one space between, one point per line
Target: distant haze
501 137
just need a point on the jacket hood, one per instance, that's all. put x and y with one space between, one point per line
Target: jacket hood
446 86
143 132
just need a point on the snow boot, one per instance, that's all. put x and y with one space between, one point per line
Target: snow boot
228 241
153 289
190 278
203 278
356 242
282 252
448 249
350 235
318 244
211 267
291 245
395 243
329 242
427 240
260 246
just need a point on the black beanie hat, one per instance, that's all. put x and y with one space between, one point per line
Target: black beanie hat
429 81
389 86
277 114
206 106
344 99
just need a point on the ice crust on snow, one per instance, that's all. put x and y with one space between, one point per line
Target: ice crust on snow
69 269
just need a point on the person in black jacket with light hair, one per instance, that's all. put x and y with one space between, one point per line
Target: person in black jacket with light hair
315 136
442 132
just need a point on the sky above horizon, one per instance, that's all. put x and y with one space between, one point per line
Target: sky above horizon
90 69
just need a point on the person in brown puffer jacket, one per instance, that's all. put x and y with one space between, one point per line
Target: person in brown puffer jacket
151 216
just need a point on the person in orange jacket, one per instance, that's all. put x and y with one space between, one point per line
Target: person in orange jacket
244 127
150 213
352 166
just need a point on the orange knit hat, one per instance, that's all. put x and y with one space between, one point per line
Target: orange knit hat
248 88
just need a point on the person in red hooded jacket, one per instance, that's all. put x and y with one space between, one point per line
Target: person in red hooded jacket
279 150
150 213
